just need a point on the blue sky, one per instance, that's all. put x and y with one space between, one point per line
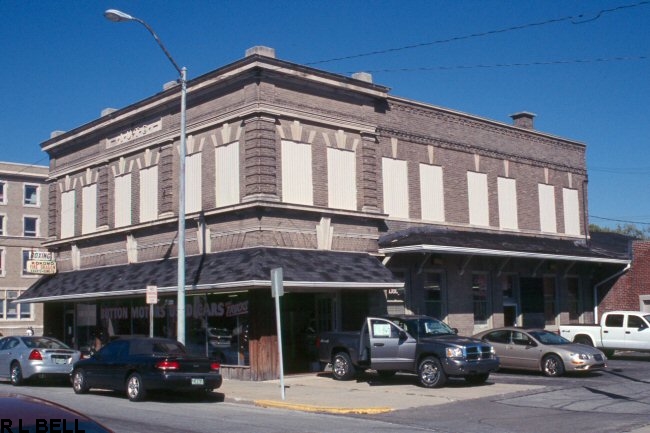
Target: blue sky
581 66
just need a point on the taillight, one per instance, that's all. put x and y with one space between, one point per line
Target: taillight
35 355
215 366
168 365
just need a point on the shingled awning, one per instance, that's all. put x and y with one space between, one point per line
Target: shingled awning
231 270
449 241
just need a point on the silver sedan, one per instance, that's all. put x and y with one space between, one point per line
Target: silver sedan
25 357
541 350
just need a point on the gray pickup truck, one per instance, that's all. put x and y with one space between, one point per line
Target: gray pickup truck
417 344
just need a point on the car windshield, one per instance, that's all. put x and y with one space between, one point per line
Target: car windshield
434 327
424 327
546 337
43 343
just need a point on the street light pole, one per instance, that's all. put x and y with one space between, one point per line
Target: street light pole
119 16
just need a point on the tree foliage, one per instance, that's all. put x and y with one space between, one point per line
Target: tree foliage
627 229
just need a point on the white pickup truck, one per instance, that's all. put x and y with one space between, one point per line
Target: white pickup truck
618 330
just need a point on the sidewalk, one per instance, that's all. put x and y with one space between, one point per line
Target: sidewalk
318 392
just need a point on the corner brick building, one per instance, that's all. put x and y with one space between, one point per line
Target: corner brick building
370 203
23 227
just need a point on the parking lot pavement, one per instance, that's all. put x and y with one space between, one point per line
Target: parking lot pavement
318 392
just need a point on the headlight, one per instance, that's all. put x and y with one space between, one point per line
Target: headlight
455 352
577 358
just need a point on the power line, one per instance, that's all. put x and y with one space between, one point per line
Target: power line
619 220
510 65
628 170
574 19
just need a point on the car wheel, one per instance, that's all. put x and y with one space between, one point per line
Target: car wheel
342 368
135 388
477 379
16 374
552 366
431 374
79 383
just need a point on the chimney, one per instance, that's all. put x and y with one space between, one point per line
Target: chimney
56 133
523 119
261 50
362 76
107 111
169 84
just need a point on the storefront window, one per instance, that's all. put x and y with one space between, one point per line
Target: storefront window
549 300
216 325
573 299
479 296
433 294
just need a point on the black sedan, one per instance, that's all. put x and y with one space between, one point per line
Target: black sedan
139 365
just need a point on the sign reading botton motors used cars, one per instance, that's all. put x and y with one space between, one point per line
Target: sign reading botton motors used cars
41 262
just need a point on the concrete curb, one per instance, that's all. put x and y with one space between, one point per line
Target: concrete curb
321 409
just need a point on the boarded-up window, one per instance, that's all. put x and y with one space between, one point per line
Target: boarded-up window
67 214
432 198
193 191
149 194
297 183
123 200
227 174
477 193
507 191
341 179
89 209
395 183
547 218
571 211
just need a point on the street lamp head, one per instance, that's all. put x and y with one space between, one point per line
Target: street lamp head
117 16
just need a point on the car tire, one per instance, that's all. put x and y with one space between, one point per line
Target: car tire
16 374
79 382
552 366
135 388
342 368
477 379
430 373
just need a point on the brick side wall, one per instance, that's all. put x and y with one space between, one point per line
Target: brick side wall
625 292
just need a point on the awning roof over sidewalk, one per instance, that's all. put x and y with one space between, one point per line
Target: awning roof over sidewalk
448 241
237 269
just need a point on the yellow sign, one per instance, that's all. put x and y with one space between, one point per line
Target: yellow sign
41 267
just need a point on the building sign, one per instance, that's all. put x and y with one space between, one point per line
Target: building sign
132 134
395 295
41 262
195 310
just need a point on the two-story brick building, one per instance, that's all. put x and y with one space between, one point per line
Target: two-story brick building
23 224
369 202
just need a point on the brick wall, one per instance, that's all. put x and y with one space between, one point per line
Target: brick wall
625 292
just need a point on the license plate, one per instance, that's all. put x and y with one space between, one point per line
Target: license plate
197 381
60 361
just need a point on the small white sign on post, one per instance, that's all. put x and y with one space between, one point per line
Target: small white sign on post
152 294
152 299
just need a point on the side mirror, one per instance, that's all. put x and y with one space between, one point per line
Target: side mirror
403 335
455 330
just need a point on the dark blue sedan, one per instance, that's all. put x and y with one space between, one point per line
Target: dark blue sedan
138 365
